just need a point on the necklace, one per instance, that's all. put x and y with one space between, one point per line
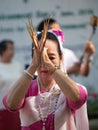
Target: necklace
42 117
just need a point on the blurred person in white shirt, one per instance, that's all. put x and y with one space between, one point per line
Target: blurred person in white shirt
72 63
10 71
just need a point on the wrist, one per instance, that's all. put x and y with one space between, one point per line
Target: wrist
34 66
89 58
32 69
88 55
70 70
28 75
54 69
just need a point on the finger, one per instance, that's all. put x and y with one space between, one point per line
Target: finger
44 34
44 56
32 33
46 53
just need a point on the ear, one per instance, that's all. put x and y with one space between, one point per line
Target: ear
61 57
60 61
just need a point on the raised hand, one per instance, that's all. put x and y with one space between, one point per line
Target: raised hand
38 50
45 61
32 34
44 35
89 49
36 60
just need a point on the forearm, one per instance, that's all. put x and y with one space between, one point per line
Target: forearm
19 89
68 86
70 71
85 67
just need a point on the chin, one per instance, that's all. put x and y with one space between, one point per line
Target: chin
45 75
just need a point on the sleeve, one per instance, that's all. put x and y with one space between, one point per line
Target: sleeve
81 101
20 106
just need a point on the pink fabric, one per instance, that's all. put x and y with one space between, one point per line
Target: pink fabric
33 91
38 125
59 33
9 120
80 102
19 107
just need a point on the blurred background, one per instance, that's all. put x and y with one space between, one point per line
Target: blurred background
74 18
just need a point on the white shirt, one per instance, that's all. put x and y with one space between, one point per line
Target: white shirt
9 73
69 58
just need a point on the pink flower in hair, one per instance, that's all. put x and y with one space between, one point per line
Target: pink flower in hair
59 33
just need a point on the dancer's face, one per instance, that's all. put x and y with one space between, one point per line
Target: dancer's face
55 58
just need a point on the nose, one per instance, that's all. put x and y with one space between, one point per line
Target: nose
42 66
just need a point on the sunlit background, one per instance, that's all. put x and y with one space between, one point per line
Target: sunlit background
74 18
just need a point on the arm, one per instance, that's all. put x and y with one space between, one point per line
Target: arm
74 69
82 69
89 50
68 86
82 99
85 67
19 89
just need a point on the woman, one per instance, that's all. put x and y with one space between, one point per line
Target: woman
50 101
9 73
74 67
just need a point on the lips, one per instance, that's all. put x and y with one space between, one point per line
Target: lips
44 71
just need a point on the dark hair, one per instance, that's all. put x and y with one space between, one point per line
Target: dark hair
4 44
52 37
41 24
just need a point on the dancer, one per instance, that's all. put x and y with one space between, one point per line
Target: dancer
50 101
74 67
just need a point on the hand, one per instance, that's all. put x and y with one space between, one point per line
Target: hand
36 58
45 61
37 49
89 49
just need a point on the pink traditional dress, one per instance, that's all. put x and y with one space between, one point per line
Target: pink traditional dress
41 110
56 108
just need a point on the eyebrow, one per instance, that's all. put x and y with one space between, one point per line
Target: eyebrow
52 54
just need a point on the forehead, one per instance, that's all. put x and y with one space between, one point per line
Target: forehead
9 45
51 46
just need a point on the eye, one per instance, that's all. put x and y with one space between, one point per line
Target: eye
51 58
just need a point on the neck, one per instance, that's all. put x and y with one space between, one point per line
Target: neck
46 84
5 60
